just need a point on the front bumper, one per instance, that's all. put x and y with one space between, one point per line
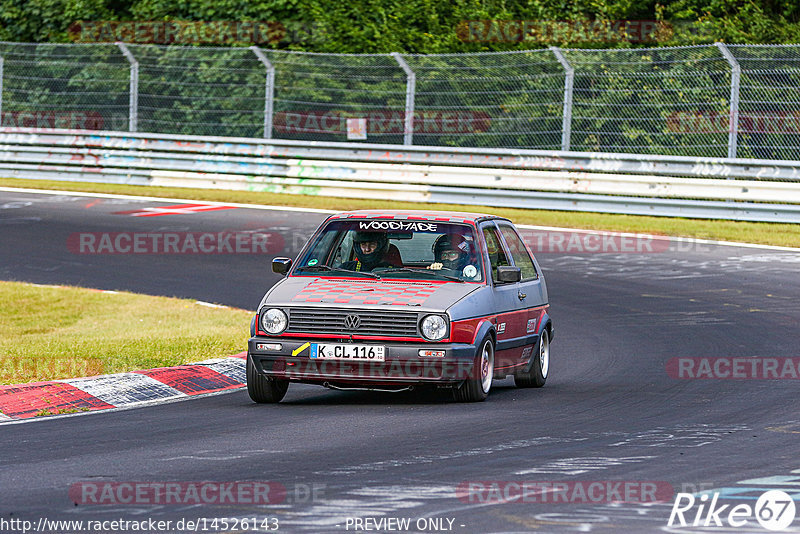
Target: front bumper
402 366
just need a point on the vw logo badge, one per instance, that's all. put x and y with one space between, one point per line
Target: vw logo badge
352 322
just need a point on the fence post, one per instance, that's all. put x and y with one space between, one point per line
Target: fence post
269 90
736 74
2 61
569 81
133 101
411 89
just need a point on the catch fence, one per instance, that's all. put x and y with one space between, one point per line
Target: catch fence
734 101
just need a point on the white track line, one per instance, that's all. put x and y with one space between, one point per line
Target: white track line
659 237
164 199
314 210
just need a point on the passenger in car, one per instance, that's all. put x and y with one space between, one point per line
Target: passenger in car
451 251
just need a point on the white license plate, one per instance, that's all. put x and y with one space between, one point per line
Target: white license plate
350 352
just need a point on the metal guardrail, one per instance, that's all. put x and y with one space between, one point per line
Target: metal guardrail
715 188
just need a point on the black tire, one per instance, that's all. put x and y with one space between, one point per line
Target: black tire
476 388
540 368
263 389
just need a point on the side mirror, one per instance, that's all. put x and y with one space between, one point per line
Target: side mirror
508 274
281 265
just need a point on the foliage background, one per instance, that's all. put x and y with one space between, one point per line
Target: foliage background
412 26
626 98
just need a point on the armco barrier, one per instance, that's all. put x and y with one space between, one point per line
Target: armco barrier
740 189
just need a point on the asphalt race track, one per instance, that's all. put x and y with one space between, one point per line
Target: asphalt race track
612 412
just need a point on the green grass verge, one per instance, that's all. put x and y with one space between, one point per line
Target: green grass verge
746 232
48 333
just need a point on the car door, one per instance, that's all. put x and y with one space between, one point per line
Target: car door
531 291
510 320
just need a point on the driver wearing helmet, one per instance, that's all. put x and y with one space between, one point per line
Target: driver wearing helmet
451 251
370 248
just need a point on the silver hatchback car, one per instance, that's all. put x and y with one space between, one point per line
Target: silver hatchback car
398 300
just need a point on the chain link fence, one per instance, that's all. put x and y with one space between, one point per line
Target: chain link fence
711 100
64 86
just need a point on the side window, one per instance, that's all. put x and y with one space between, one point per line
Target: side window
522 258
496 254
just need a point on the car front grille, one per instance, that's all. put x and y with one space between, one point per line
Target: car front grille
372 323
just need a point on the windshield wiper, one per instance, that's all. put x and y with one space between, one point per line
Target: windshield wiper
318 267
323 267
422 271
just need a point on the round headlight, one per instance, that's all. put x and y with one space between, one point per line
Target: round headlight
274 321
434 327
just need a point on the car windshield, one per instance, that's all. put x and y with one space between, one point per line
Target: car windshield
394 249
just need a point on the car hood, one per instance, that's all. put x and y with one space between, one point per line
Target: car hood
367 293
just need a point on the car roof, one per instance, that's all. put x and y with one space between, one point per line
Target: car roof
418 215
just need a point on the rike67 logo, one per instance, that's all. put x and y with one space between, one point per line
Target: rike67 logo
774 510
